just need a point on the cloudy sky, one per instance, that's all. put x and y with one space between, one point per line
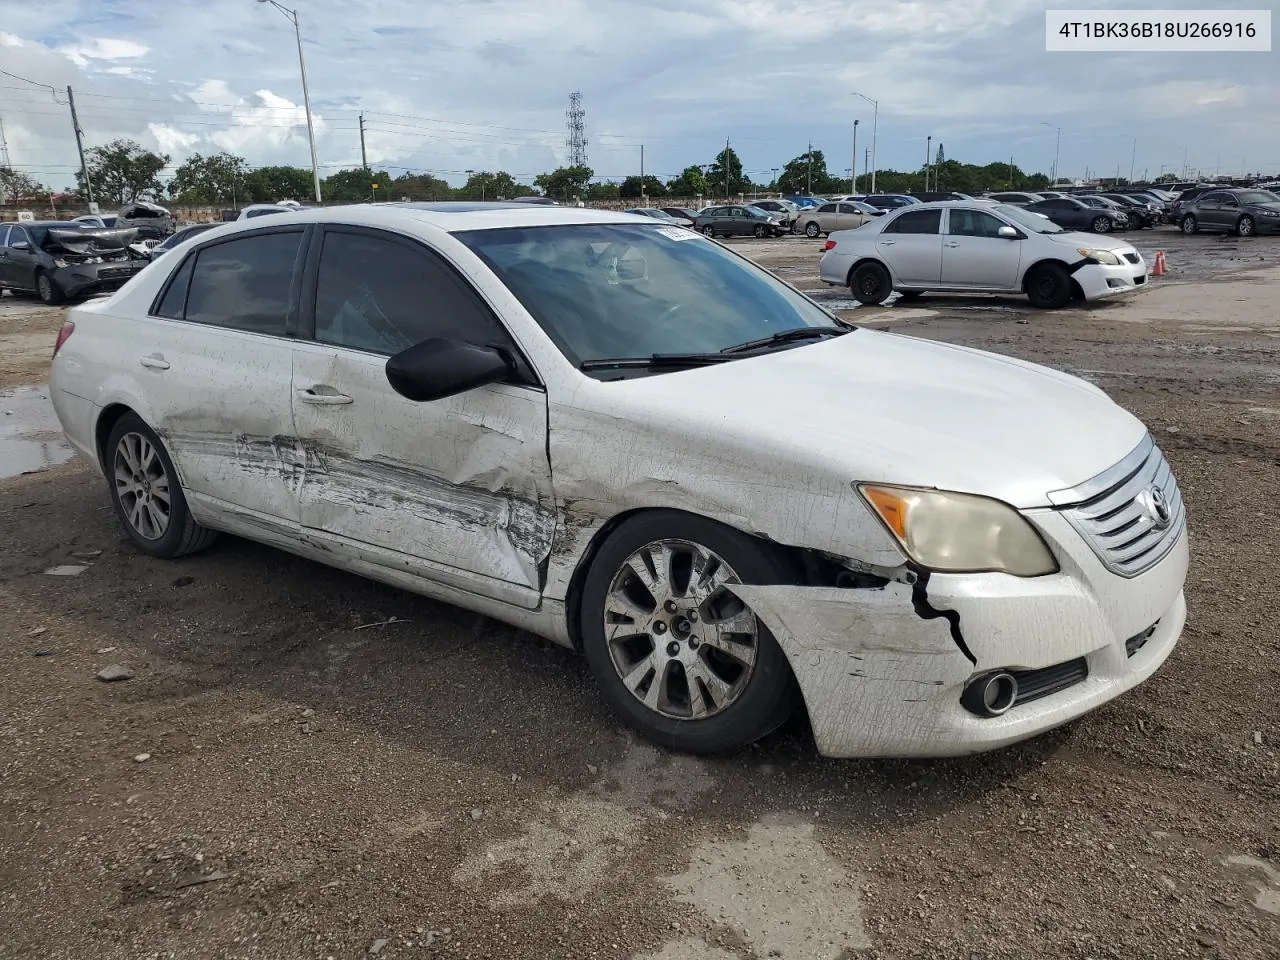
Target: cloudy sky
484 84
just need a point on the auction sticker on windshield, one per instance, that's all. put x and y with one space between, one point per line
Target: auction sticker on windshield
1158 31
679 233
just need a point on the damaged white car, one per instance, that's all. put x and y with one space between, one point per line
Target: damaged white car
627 438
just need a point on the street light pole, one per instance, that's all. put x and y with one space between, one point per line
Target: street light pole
306 94
875 124
853 170
1133 157
1056 149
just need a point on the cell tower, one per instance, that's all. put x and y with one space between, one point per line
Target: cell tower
576 140
4 147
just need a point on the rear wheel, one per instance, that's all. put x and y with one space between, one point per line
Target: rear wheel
1246 227
871 283
812 230
1189 224
147 494
48 289
1049 286
709 231
676 654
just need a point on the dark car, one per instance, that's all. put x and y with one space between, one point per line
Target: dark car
684 212
784 212
738 220
1137 222
1016 197
1186 196
1071 214
889 201
1142 212
59 260
1242 212
930 196
186 233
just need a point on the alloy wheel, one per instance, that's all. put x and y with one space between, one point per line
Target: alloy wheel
142 486
682 644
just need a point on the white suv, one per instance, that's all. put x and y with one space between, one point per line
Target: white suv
977 246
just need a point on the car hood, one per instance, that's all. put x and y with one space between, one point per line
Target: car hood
879 407
1097 241
1272 207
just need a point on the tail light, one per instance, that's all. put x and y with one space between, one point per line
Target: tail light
829 245
68 328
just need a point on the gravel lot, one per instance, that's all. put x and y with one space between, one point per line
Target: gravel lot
288 774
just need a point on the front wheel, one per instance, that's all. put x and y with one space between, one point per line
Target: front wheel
1189 224
677 655
48 289
147 495
1102 225
871 284
812 230
1246 227
1049 286
760 231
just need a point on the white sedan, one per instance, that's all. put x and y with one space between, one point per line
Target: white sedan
631 440
979 246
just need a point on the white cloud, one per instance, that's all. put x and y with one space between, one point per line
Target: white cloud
104 48
9 40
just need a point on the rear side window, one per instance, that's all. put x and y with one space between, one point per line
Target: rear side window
173 304
245 284
917 221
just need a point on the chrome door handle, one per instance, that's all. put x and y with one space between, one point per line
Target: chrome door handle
155 363
952 243
887 243
323 399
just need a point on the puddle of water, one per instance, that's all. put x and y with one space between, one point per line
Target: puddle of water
30 436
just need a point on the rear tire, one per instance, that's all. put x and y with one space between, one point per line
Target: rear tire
709 231
1049 286
753 700
812 230
871 284
147 494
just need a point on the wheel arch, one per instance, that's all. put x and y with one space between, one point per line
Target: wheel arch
1077 292
106 422
848 277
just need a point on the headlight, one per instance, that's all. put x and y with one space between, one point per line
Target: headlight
1269 213
59 263
1102 256
959 532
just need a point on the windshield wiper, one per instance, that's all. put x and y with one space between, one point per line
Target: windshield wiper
785 336
655 360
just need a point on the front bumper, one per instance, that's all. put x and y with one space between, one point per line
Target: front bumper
881 671
1099 280
82 279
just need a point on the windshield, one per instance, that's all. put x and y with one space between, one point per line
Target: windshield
756 211
609 290
1028 220
1258 196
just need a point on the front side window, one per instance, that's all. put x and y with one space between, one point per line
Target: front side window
606 291
245 284
916 221
383 295
973 223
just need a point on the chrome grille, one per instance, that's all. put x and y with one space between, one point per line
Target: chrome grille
1117 512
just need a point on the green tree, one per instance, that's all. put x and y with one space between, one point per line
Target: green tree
691 183
565 183
272 184
418 186
122 171
603 190
16 186
214 179
355 185
807 173
726 174
493 186
636 187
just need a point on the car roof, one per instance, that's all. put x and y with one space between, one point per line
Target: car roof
453 215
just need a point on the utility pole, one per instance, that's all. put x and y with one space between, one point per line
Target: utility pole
364 162
642 193
928 148
75 123
875 124
1133 159
292 15
4 147
853 169
808 182
726 168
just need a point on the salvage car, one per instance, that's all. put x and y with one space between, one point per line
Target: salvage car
626 438
738 220
59 260
1242 212
1074 214
655 213
983 247
186 233
152 221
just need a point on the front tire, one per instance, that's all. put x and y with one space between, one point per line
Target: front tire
147 495
1049 286
1246 227
760 232
1189 224
812 230
1102 225
677 655
871 284
48 290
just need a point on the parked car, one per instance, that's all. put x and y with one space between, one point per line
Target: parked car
685 212
738 220
889 201
152 221
931 196
59 260
538 201
186 233
1242 212
1135 222
1017 197
656 214
255 210
785 211
511 451
1142 213
1070 213
979 247
846 215
97 221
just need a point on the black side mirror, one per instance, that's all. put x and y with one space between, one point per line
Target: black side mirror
439 368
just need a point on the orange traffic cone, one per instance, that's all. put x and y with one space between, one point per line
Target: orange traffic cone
1160 268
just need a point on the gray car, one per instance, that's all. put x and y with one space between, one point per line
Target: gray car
1242 212
845 215
58 260
738 220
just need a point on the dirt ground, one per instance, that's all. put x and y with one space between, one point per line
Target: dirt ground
289 775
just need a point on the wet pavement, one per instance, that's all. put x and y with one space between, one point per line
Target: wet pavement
30 437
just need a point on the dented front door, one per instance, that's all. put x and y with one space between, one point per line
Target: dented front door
457 491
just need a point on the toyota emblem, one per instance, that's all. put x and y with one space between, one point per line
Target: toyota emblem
1158 507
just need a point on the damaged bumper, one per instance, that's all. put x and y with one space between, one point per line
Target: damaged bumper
882 673
1101 280
82 279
